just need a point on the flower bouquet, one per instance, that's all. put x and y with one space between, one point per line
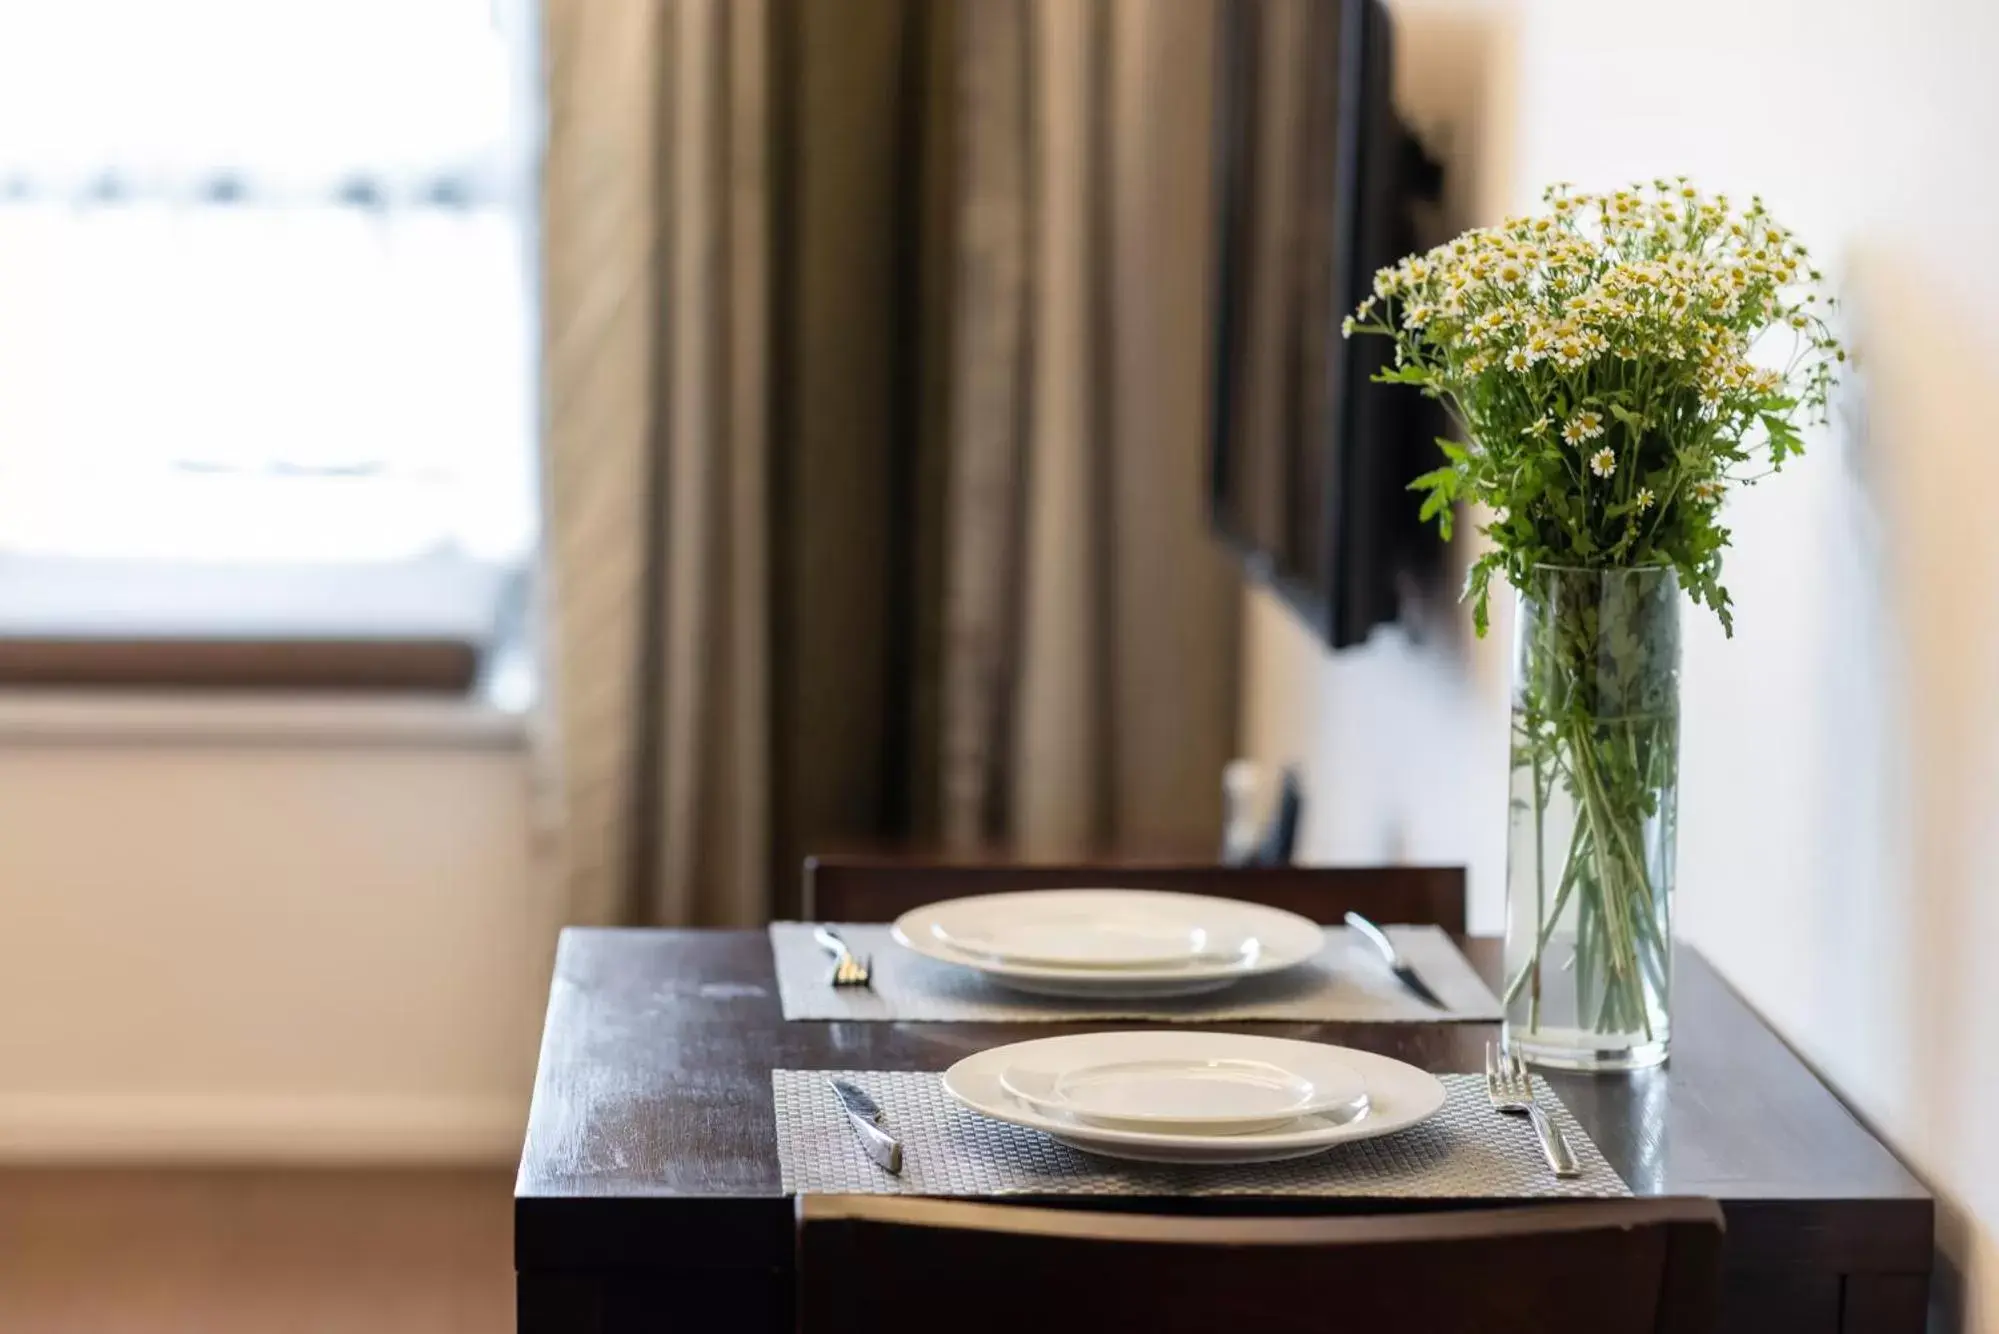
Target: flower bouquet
1608 367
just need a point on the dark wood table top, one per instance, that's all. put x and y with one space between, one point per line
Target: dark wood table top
651 1134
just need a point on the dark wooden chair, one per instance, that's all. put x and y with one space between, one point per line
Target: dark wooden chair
882 1265
880 889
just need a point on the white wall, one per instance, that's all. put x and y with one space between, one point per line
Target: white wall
1392 736
1841 754
304 934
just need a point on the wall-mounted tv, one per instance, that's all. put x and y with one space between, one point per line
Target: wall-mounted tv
1315 178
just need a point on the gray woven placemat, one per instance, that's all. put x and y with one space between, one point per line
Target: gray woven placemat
1346 982
1466 1151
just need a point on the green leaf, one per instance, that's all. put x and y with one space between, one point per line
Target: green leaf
1478 580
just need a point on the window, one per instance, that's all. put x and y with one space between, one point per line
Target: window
267 351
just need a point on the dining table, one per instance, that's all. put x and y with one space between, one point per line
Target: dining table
649 1195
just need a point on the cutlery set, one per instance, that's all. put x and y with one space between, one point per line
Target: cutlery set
848 970
866 1119
1509 1089
1412 981
1180 1096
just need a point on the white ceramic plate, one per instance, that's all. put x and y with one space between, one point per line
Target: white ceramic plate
1083 930
1109 942
1168 1084
1398 1095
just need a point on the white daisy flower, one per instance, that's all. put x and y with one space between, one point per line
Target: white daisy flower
1644 498
1603 463
1518 361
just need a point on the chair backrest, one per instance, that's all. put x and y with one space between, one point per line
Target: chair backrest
885 1265
865 889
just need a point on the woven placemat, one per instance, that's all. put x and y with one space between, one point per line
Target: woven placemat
1347 982
1466 1151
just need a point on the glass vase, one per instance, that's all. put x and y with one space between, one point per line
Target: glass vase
1591 820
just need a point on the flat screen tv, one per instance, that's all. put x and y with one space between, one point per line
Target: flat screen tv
1315 179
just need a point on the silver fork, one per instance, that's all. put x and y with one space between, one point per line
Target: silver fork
848 969
1510 1089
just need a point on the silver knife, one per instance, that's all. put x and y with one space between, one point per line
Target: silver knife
865 1117
1411 980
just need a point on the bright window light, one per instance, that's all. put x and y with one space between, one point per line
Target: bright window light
265 289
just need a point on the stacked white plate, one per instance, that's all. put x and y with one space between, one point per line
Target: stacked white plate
1194 1097
1110 942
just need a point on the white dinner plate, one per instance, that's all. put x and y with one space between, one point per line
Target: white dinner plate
1167 1083
1109 942
1398 1095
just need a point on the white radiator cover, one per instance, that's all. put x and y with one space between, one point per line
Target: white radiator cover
314 940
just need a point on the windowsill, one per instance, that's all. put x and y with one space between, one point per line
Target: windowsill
175 630
442 596
149 718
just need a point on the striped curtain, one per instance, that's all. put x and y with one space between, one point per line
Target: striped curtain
875 357
656 196
1090 624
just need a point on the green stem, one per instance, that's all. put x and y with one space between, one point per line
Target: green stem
1612 900
1570 865
1541 794
1624 889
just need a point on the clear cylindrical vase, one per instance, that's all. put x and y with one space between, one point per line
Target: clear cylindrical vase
1591 821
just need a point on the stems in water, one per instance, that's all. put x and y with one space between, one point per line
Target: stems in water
1595 748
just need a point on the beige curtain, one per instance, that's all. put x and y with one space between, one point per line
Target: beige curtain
875 357
1090 661
599 232
655 337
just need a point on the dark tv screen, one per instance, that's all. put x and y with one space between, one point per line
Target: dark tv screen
1313 182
